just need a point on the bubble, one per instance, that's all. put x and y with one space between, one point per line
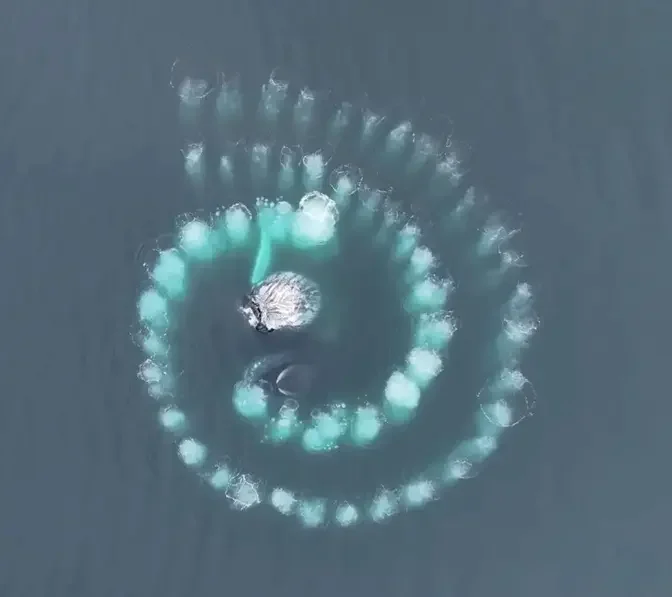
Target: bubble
366 424
402 395
419 493
273 97
221 478
507 399
195 240
192 452
173 419
370 125
425 150
435 330
169 273
192 83
346 515
193 157
429 295
422 261
304 113
290 406
154 345
229 104
315 222
283 501
345 180
153 308
314 167
250 401
407 241
384 505
238 223
399 136
423 366
456 469
243 493
312 513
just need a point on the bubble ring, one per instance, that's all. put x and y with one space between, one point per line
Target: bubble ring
229 229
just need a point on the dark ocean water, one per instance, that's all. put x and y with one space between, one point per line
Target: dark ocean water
566 107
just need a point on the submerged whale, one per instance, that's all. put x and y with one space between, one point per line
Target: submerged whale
283 374
295 380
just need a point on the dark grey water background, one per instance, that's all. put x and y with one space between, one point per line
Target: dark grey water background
567 107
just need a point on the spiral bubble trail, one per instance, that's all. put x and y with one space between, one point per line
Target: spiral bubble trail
309 214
